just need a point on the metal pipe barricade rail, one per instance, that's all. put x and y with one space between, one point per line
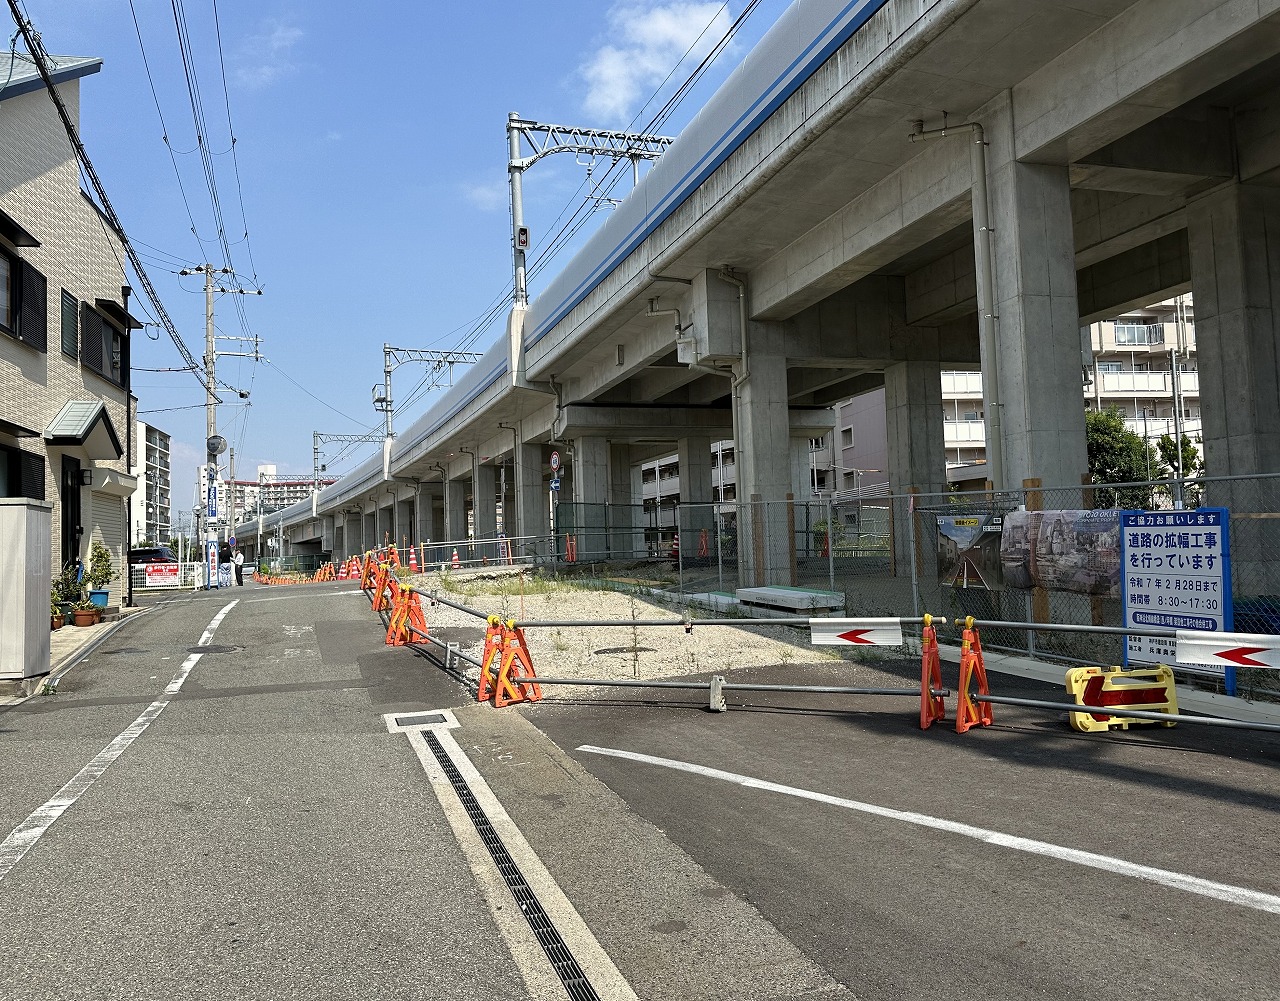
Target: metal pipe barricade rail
1071 707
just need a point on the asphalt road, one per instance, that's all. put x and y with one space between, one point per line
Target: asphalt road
265 836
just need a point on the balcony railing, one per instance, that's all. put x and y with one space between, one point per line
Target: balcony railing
1135 383
958 434
961 384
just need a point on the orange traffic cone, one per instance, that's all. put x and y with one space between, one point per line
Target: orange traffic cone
456 563
413 560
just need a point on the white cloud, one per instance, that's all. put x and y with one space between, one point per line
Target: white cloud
646 41
487 197
266 56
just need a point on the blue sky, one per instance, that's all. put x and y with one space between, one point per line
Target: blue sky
371 153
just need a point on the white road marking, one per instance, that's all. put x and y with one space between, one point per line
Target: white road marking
1175 880
531 961
25 835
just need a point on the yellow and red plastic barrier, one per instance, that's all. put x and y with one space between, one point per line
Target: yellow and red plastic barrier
1150 689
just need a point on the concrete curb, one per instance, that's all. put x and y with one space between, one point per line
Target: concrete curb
58 670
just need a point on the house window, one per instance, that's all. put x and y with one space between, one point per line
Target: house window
21 473
103 348
1110 366
6 291
23 306
70 325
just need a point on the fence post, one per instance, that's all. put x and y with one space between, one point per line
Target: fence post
911 541
1095 600
757 541
793 580
1039 596
831 544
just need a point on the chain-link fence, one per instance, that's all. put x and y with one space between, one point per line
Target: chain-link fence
1070 572
907 555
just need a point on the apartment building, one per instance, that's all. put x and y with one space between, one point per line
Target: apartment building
1129 365
152 501
66 415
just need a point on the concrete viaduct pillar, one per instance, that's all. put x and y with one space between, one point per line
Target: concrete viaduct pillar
455 510
1234 236
626 505
590 472
1037 361
534 514
485 502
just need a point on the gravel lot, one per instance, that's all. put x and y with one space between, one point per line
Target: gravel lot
625 651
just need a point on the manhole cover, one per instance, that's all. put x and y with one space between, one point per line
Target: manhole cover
212 648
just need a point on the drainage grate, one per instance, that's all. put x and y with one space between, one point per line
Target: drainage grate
566 967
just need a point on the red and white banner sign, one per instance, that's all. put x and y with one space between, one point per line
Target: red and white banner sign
1228 649
856 632
162 574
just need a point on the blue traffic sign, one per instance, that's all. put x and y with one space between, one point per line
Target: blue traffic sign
555 483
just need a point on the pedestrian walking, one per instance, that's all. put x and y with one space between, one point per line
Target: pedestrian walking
224 564
239 563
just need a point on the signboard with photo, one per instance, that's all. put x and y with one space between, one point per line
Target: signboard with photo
1062 551
969 551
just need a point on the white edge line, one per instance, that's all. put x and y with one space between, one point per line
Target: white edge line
604 975
25 835
1179 881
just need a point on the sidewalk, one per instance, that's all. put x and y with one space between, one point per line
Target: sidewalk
66 646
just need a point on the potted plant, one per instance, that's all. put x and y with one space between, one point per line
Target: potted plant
65 590
55 614
101 572
85 613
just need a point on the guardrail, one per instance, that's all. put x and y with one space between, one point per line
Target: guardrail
1103 699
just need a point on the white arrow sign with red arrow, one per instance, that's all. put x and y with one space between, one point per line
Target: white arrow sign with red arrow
1228 649
856 632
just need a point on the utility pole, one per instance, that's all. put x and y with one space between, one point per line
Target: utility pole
441 363
545 139
215 444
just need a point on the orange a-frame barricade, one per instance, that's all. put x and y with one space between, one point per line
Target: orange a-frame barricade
704 546
932 707
492 650
515 680
393 557
570 548
972 712
407 620
380 584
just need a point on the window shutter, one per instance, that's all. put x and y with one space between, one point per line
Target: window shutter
31 475
33 308
90 337
70 326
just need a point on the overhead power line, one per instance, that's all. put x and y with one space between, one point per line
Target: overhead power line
41 60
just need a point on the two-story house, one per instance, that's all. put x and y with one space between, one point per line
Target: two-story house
66 427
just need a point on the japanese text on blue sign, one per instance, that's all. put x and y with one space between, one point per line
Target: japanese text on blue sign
1176 575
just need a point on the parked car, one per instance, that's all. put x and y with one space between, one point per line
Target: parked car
152 554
